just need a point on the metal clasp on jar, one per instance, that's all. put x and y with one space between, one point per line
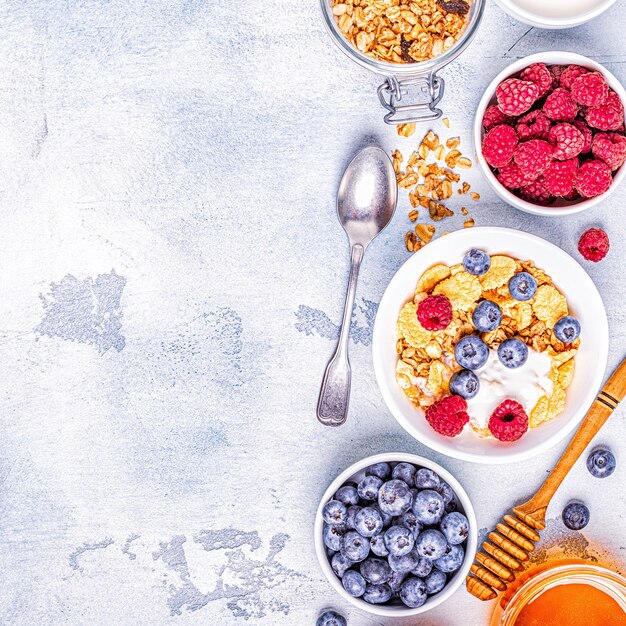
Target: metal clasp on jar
412 99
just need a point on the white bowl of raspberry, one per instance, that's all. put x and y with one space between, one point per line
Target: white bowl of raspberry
496 385
549 133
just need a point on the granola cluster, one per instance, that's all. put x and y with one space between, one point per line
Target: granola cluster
399 32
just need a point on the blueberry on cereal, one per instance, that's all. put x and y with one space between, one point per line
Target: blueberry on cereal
471 352
476 262
513 353
487 316
522 286
567 329
464 383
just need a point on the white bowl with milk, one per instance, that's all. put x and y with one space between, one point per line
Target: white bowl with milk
555 14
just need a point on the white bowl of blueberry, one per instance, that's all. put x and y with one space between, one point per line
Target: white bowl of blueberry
395 534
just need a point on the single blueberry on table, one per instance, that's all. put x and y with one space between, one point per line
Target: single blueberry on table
487 316
408 520
368 522
513 353
368 488
395 497
426 479
353 583
522 286
413 592
476 262
431 544
381 470
464 383
377 545
377 594
395 580
455 528
567 329
331 618
348 495
428 507
435 582
351 515
399 540
404 472
334 512
575 515
355 547
375 571
404 564
340 564
333 536
451 559
423 568
601 463
471 352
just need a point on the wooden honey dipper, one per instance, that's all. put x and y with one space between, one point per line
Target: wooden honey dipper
514 538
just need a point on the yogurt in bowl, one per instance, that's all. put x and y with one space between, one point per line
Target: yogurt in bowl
555 14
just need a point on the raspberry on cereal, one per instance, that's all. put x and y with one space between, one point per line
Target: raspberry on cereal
512 177
509 421
435 312
516 96
533 156
539 74
533 125
560 177
605 116
570 74
568 140
590 89
560 106
586 133
537 192
594 244
499 145
610 148
593 179
448 416
493 117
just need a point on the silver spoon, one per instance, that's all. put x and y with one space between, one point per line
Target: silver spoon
366 201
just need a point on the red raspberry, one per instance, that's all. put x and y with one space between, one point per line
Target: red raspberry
556 71
537 192
533 156
613 100
594 244
590 89
509 421
493 117
559 106
533 125
568 140
448 416
610 148
538 73
570 74
499 145
560 177
593 179
512 177
587 135
435 312
516 96
607 116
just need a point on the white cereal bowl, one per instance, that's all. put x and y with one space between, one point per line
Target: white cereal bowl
549 58
355 473
584 302
555 21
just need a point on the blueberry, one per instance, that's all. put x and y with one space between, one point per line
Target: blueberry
408 520
395 580
377 545
399 540
405 472
455 528
464 383
353 583
331 618
426 479
381 470
431 544
387 517
368 487
446 492
513 353
368 522
350 516
355 547
404 564
413 592
567 329
575 515
348 495
471 352
487 316
375 571
423 568
340 564
601 463
435 581
334 512
377 594
451 560
333 536
522 286
395 497
428 507
476 262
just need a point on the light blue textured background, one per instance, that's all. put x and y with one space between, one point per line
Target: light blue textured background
172 277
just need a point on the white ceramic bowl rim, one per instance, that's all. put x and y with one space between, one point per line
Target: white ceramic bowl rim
554 22
584 301
470 547
550 58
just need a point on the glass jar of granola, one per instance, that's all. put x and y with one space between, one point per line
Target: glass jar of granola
407 42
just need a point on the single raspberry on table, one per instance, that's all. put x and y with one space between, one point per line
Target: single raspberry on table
593 179
590 89
435 312
570 74
568 140
539 74
533 125
586 133
533 156
516 96
512 177
499 145
560 177
610 148
560 106
594 244
537 192
607 116
509 421
493 117
448 416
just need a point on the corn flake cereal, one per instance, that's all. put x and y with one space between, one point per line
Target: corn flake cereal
549 305
432 276
501 270
410 329
462 289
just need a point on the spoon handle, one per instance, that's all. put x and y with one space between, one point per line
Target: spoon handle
332 406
